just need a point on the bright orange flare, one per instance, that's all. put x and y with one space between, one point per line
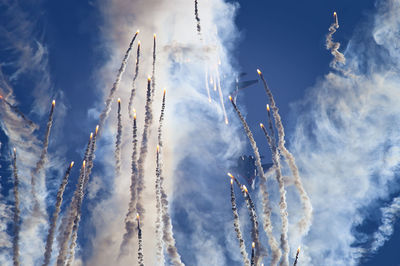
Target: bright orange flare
334 14
1 97
137 216
138 43
158 148
253 245
259 72
137 32
231 181
91 135
230 98
165 90
148 78
119 100
245 189
97 129
84 164
53 103
154 35
298 249
72 164
134 114
261 125
230 175
268 107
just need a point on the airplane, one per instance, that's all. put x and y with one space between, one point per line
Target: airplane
246 168
240 85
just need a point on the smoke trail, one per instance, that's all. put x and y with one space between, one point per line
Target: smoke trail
282 193
143 149
159 251
129 218
41 162
168 235
207 86
297 257
53 224
16 212
236 223
153 72
78 206
17 111
140 243
253 262
267 225
305 222
385 230
133 91
118 141
196 14
114 88
334 46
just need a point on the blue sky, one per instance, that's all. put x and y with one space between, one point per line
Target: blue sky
79 46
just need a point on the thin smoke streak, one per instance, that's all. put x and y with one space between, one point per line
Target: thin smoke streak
133 90
282 194
168 235
334 46
118 141
129 218
207 86
17 212
218 81
305 222
236 224
267 224
17 111
196 14
40 163
153 72
297 257
140 243
159 246
53 224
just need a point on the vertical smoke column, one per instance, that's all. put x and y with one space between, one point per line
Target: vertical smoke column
133 90
297 256
53 224
78 212
16 211
140 243
334 46
129 219
118 141
267 225
153 73
114 88
236 223
253 262
143 149
305 222
168 235
196 14
159 251
42 160
282 194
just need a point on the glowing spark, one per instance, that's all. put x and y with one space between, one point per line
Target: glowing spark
259 72
72 164
268 107
53 103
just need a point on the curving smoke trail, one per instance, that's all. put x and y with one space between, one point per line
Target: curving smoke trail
305 222
133 90
334 46
118 141
53 224
107 108
17 111
17 212
267 224
282 194
40 163
148 120
168 235
140 243
129 218
236 223
196 14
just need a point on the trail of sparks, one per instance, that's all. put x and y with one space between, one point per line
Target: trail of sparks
41 162
118 141
129 219
140 243
305 222
107 108
282 200
143 149
168 235
53 224
17 212
334 46
267 225
133 90
236 223
218 81
196 14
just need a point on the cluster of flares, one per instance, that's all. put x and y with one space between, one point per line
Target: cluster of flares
69 224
